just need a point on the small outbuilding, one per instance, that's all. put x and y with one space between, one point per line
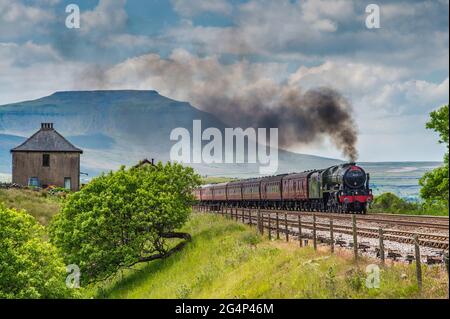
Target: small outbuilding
46 159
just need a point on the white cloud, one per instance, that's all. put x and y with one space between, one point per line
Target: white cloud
376 90
266 26
26 54
30 71
191 8
18 19
323 30
107 16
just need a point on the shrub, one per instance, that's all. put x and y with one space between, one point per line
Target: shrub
29 265
393 203
390 203
124 218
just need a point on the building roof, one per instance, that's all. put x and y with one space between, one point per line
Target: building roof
47 139
145 162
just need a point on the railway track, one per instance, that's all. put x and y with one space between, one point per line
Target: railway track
416 221
282 221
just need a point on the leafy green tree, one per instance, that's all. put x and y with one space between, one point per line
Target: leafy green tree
435 186
123 218
29 265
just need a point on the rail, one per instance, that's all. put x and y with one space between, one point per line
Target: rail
323 227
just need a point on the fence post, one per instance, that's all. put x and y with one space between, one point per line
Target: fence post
446 262
418 263
250 217
355 237
381 235
300 230
278 226
314 232
331 235
286 228
259 220
243 216
270 227
262 223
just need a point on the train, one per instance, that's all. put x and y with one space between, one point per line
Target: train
341 188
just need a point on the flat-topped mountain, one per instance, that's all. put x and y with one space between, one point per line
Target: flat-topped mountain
122 127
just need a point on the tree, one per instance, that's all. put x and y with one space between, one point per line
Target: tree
29 265
435 186
124 218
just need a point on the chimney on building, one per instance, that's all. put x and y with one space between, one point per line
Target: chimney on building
47 126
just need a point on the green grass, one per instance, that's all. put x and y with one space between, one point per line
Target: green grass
39 204
216 180
229 260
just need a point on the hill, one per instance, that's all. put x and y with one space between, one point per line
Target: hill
122 127
230 260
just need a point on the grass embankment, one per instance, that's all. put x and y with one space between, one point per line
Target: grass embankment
38 204
230 260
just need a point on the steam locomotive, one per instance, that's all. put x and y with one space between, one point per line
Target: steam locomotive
342 188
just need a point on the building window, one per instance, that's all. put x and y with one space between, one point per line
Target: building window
68 183
46 160
33 182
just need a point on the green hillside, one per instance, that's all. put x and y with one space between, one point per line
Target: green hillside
230 260
40 205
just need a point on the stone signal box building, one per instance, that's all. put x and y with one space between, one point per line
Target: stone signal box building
46 159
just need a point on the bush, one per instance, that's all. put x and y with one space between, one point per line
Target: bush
392 203
29 265
124 218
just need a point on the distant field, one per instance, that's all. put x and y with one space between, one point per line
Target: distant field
38 204
230 260
215 180
5 178
400 178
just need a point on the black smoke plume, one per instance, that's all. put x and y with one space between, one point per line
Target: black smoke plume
241 94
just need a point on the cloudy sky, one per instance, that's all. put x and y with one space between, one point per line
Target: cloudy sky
392 76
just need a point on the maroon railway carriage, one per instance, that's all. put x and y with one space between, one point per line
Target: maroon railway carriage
271 191
206 193
340 188
198 194
219 192
234 193
296 190
251 192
